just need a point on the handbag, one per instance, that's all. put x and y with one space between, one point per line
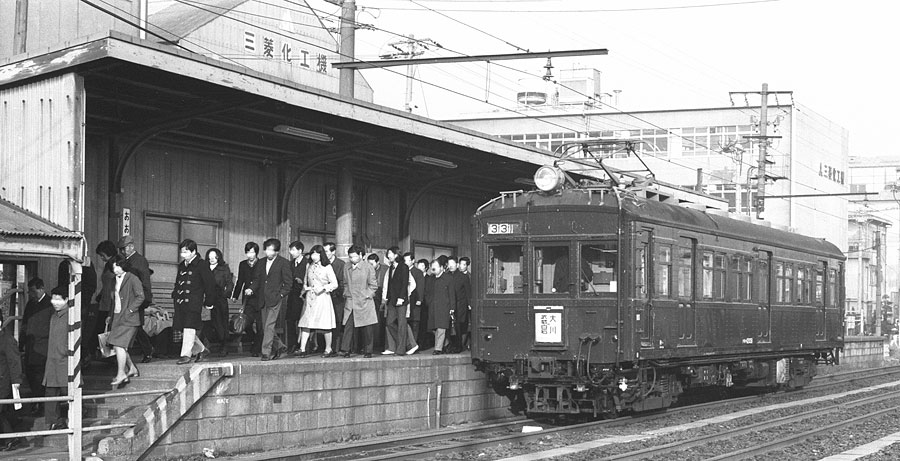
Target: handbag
237 322
106 349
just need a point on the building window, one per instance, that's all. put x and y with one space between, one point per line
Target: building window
163 234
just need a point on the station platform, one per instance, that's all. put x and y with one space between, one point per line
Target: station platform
239 404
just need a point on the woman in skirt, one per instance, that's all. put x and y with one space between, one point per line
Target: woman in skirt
319 312
126 317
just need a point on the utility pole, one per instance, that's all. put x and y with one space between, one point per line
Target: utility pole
763 142
409 49
348 45
20 34
878 282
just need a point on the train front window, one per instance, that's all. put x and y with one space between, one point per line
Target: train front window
598 268
551 274
505 270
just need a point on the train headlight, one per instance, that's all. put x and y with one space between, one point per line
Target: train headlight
548 178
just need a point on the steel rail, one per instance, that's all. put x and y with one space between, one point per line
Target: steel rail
669 448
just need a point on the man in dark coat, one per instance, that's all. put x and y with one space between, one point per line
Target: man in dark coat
461 286
195 289
141 268
295 299
10 375
396 299
463 322
380 271
337 296
441 302
246 275
273 285
37 334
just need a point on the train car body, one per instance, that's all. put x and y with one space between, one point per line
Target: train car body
593 299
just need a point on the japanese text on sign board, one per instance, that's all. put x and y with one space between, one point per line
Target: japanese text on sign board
548 327
287 52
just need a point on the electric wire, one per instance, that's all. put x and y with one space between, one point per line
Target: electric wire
591 10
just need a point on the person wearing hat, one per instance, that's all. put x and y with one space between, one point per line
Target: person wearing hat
141 268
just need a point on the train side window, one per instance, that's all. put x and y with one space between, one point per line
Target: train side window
662 273
707 275
684 273
746 277
820 287
598 268
804 286
551 264
832 288
784 279
713 275
505 270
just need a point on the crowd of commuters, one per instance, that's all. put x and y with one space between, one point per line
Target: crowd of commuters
313 303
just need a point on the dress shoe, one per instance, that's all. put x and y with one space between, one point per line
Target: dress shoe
302 354
412 351
329 355
183 360
437 353
118 383
147 359
134 373
11 445
202 355
265 358
367 356
387 353
346 355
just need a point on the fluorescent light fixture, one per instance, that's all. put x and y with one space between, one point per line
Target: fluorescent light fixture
524 181
433 161
301 133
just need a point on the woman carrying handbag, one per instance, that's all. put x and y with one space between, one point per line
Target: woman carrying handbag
129 294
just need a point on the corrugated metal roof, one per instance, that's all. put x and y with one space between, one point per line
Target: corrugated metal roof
180 19
18 222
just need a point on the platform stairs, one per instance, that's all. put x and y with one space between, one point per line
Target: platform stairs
155 390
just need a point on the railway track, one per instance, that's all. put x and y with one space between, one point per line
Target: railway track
459 440
760 449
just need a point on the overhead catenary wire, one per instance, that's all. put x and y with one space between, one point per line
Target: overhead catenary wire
588 10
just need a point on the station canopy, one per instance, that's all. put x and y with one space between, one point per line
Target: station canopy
138 89
26 235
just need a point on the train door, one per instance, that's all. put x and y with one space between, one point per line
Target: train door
764 278
643 307
502 313
685 291
553 284
664 322
818 300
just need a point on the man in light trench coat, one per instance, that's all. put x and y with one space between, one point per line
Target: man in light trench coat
360 286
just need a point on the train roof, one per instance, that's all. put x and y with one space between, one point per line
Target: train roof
638 208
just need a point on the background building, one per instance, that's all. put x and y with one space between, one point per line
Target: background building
710 150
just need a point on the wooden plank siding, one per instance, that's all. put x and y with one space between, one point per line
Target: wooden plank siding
41 147
163 181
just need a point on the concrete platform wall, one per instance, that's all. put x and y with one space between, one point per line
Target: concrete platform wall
864 351
296 402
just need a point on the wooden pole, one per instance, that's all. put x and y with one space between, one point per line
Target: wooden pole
74 360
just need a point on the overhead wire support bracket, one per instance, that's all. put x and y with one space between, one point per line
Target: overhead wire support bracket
481 57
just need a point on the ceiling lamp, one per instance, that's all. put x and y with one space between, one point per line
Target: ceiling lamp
301 133
433 161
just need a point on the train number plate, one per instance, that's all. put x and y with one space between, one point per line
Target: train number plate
548 324
501 228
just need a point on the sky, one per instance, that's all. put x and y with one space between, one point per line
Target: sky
836 56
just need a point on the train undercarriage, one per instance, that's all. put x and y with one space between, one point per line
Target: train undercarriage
552 387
